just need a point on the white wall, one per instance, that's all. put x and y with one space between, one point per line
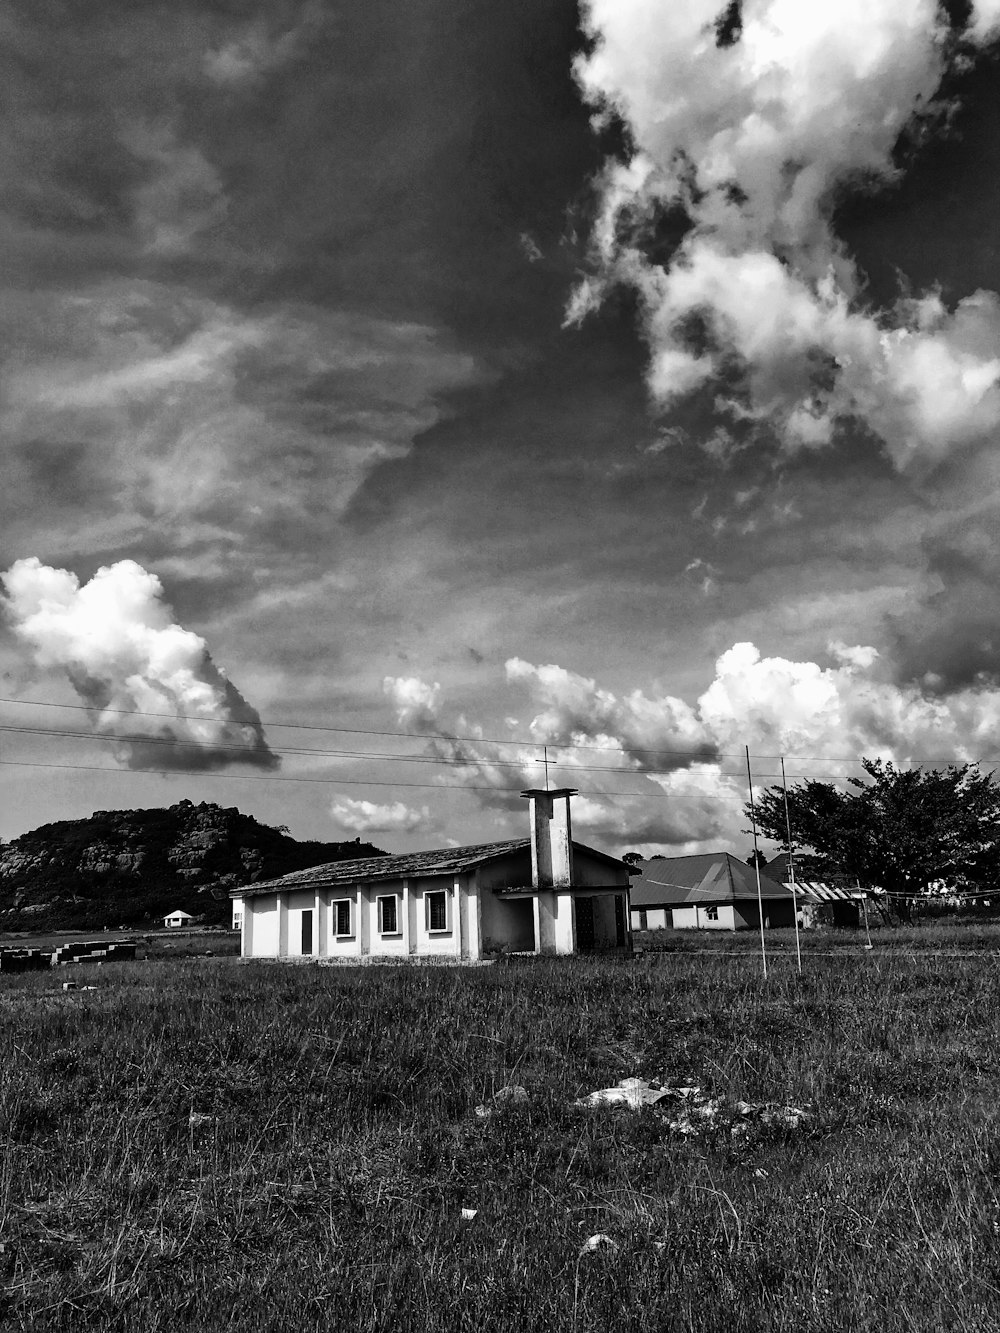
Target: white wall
657 918
696 918
435 943
295 905
260 924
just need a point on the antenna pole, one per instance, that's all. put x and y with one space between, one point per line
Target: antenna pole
756 866
791 865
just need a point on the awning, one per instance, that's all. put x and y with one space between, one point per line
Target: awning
826 893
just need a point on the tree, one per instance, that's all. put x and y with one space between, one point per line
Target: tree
757 858
632 859
900 831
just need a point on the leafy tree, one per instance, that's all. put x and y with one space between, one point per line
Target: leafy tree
632 859
757 858
900 830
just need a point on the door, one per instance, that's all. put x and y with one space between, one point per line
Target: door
619 920
584 924
307 933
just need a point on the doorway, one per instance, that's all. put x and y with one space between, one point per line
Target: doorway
307 932
619 920
584 924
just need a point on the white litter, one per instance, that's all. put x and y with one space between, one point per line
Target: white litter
632 1092
600 1241
469 1214
690 1111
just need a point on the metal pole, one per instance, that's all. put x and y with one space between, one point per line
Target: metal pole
791 865
756 866
864 905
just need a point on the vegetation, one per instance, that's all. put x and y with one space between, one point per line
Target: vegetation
902 830
259 1147
133 866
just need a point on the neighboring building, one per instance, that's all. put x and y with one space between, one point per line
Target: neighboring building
826 904
543 894
835 902
711 891
176 919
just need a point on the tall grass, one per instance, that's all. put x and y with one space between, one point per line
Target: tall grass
205 1145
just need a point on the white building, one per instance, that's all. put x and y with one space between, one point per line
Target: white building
542 894
176 919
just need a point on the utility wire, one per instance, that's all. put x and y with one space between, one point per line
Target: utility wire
692 753
327 781
235 747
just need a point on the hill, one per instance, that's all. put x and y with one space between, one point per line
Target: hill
132 866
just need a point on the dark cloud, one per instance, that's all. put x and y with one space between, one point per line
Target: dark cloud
950 637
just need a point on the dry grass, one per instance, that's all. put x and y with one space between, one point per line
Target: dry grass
205 1145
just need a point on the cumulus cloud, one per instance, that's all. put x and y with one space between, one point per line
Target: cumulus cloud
496 771
115 640
368 817
749 129
655 771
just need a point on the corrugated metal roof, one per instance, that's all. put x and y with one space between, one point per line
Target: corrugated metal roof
710 877
443 861
827 893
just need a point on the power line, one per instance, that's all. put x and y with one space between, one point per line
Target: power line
472 761
329 781
234 747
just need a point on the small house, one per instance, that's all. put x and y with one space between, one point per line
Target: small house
177 919
709 891
543 894
836 902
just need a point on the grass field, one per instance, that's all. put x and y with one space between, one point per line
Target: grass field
211 1145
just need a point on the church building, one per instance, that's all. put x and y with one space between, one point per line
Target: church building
543 894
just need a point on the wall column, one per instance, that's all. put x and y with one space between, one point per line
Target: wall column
282 905
363 923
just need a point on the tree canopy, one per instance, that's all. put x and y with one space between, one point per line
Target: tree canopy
901 829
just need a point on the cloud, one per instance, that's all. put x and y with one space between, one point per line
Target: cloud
367 817
750 134
416 702
181 194
115 641
654 770
196 422
256 49
496 771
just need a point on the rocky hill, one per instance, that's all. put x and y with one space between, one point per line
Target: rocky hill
129 867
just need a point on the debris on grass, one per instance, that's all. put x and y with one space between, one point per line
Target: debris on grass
689 1110
469 1214
599 1241
510 1095
631 1092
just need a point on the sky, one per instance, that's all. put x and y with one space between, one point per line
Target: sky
395 397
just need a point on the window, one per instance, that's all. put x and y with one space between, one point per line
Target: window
387 915
711 913
342 920
643 919
437 911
